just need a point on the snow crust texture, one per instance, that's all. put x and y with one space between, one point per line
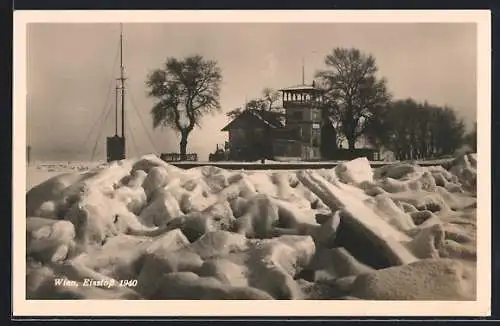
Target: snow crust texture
143 229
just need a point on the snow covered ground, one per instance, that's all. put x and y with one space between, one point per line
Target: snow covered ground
145 229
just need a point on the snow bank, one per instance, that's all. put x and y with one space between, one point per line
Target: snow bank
397 232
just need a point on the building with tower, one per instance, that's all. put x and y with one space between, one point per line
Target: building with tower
261 134
301 136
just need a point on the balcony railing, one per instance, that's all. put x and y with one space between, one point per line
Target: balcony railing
176 157
315 101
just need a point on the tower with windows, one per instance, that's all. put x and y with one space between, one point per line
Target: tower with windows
302 105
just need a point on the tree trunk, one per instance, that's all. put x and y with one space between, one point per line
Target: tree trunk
351 141
183 145
350 133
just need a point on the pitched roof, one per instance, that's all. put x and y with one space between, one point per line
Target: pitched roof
271 119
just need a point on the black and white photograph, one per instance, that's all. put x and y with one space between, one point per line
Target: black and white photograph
309 156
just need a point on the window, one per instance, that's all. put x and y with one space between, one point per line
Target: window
306 135
316 116
296 115
237 135
259 132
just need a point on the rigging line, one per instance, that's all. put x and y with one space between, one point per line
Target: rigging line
103 112
142 122
94 150
150 138
99 118
100 132
132 136
134 106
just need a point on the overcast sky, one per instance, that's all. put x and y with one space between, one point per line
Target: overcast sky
71 68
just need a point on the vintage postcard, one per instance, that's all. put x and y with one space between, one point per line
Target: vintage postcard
326 163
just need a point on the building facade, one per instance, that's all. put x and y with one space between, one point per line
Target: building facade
256 134
301 136
251 134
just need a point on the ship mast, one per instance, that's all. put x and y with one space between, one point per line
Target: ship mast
122 84
116 148
117 88
303 74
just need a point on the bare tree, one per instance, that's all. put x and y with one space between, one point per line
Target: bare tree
415 130
353 92
268 102
271 96
186 90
